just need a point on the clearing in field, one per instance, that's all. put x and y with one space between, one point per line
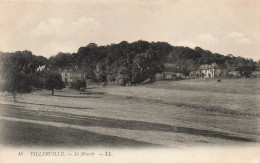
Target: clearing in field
165 113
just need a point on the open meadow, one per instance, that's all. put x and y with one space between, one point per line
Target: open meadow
198 112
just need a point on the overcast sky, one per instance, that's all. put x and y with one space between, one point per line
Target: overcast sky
48 27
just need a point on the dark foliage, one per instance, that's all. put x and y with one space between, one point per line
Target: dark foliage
135 62
79 85
52 80
18 70
118 63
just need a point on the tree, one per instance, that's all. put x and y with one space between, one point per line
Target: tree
52 80
17 83
15 80
79 85
100 72
246 70
61 60
123 76
187 66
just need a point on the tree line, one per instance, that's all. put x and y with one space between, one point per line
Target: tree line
115 63
135 62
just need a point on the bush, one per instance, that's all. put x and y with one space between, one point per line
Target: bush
79 85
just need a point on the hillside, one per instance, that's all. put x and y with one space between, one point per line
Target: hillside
131 62
135 62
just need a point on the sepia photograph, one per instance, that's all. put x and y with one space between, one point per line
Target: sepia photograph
129 80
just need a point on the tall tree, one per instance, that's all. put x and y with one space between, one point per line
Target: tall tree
13 73
52 81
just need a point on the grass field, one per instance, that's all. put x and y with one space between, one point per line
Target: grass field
164 113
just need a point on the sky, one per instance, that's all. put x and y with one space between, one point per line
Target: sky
47 27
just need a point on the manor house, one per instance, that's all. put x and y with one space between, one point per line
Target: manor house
206 71
71 75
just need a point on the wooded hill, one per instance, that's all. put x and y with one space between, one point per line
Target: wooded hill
130 62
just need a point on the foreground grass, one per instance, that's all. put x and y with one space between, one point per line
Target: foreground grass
161 113
32 134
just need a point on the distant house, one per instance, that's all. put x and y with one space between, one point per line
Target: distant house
169 66
41 68
206 71
180 76
159 76
234 74
168 76
164 76
71 75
